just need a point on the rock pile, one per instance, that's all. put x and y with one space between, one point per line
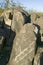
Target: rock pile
21 37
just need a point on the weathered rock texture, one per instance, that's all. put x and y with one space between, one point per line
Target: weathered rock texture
22 32
7 17
38 20
19 19
33 17
38 60
23 46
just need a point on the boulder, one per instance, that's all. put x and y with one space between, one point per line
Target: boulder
23 46
39 22
19 19
6 19
7 14
34 17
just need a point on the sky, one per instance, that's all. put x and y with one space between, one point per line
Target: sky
30 4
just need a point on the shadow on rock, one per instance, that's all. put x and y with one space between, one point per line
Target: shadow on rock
27 18
6 46
41 59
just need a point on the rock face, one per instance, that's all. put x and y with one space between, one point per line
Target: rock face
33 17
24 33
4 40
7 17
38 60
23 46
5 21
39 22
19 19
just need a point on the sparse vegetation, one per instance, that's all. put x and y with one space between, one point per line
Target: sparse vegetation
1 11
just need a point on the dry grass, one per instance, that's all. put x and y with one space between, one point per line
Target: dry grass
1 11
39 13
